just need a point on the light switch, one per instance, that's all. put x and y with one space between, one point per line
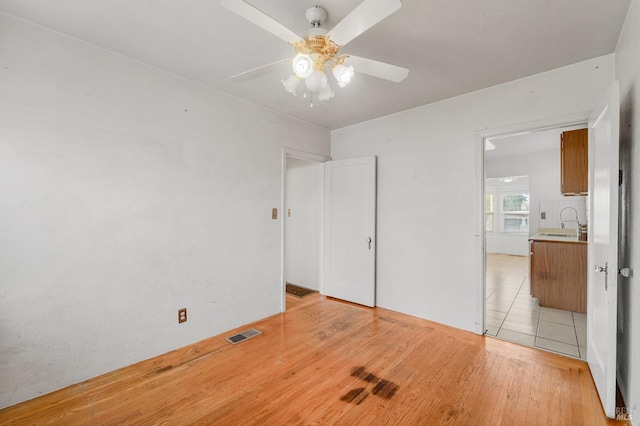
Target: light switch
274 214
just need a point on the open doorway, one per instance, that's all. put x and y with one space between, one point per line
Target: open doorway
302 226
522 196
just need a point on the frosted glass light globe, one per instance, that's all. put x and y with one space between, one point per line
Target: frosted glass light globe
291 84
326 93
343 74
302 65
316 81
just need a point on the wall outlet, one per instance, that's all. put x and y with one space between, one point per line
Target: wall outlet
182 315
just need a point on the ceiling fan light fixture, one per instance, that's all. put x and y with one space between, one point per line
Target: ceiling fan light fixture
316 49
291 84
343 74
302 65
326 93
317 81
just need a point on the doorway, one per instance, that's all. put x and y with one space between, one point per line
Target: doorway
302 221
529 154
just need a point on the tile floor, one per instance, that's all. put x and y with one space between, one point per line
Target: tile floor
512 314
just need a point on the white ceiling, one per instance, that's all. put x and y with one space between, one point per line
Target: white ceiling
450 47
529 142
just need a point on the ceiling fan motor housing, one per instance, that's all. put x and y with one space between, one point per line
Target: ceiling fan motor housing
315 42
316 16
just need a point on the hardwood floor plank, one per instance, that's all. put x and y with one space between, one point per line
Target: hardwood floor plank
330 362
521 386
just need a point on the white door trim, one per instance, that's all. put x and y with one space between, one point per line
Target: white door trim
300 155
578 118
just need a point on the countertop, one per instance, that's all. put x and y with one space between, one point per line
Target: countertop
557 235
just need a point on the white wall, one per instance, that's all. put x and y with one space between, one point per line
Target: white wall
305 199
428 180
627 65
127 193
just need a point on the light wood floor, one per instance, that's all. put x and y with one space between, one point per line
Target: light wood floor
326 362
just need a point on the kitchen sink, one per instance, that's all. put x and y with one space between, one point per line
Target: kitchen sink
557 233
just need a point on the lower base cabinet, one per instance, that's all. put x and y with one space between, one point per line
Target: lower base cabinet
559 274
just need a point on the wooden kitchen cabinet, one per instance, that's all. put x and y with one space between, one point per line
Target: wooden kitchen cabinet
559 274
574 162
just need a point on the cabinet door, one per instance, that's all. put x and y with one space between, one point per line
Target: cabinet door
543 272
559 275
533 266
574 162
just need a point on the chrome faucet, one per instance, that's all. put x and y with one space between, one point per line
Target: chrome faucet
576 221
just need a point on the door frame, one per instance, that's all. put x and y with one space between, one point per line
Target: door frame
307 156
578 118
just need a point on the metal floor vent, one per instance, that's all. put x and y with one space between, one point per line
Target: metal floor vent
235 339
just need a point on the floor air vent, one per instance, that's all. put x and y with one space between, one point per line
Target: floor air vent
235 339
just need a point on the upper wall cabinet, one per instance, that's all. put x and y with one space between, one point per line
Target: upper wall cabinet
574 162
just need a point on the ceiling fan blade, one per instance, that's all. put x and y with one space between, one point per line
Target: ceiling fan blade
258 72
261 19
377 69
366 15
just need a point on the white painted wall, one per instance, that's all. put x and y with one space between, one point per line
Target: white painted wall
428 179
627 66
305 199
127 193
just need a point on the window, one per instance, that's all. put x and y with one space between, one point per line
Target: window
514 212
489 216
506 206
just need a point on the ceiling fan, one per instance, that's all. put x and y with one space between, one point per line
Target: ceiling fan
316 49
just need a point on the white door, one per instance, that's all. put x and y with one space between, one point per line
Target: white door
350 230
602 278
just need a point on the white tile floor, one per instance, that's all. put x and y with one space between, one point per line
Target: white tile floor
512 314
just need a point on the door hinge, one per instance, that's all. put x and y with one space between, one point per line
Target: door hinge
625 272
619 177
